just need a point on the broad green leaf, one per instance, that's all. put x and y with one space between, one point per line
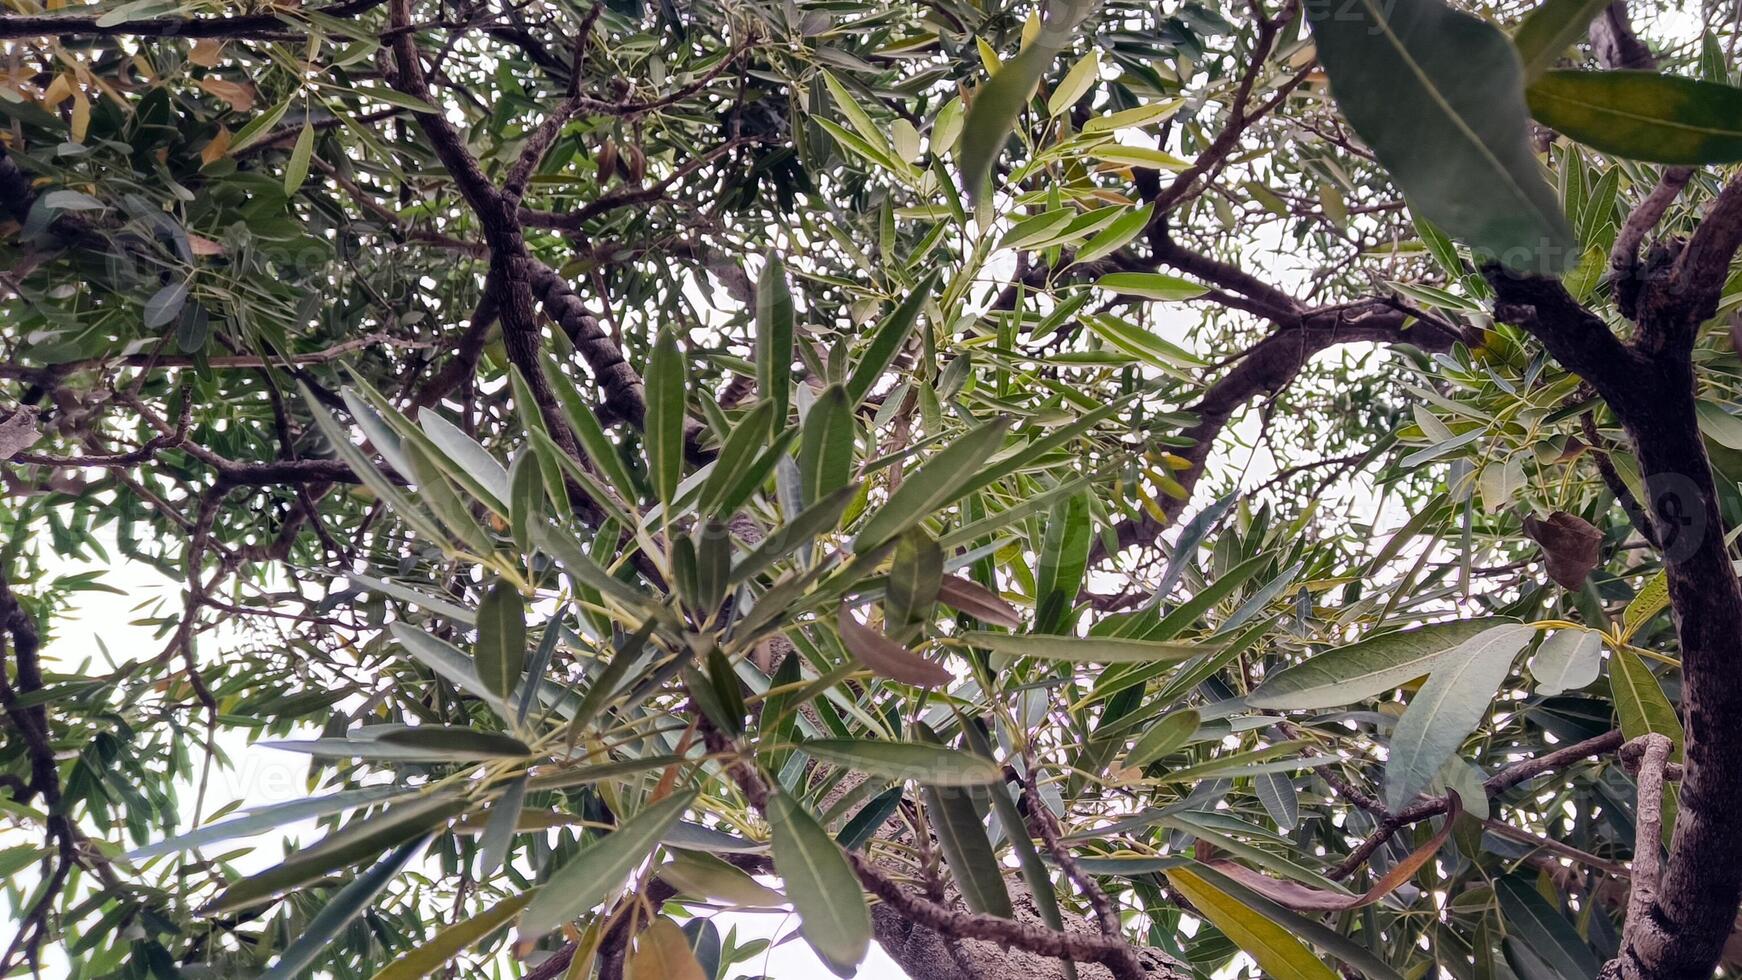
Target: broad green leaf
296 170
1567 660
1542 928
1133 118
600 867
1083 649
821 886
1718 424
774 327
737 457
338 911
600 450
263 819
932 765
501 651
1549 30
1364 669
165 304
1438 95
1652 599
826 447
451 941
1150 285
915 576
500 829
1447 708
1643 116
1276 792
887 339
1279 954
1640 703
702 875
1076 83
958 819
1163 738
357 841
1062 563
664 433
423 600
936 482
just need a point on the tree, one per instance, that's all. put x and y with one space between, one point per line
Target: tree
1092 491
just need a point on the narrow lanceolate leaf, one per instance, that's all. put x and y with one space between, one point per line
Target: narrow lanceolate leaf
425 743
888 658
1541 927
1151 285
1062 563
774 323
1549 30
447 661
1364 669
1653 598
296 170
933 484
821 886
737 456
469 464
338 912
968 596
1280 956
702 875
451 941
1163 738
1185 548
414 516
933 765
1084 649
958 818
355 842
1276 792
915 577
501 651
1447 708
1643 116
887 339
267 818
825 449
665 416
601 867
1439 97
1566 661
499 830
992 114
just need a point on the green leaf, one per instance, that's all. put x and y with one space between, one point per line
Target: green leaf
451 941
932 765
1438 96
703 875
165 304
499 830
1116 235
1062 563
600 867
1076 83
598 446
296 170
1652 599
915 576
826 448
936 482
1083 649
501 652
774 325
434 490
737 457
1543 930
526 490
801 530
263 819
992 114
1364 669
1643 116
958 818
428 743
1279 955
465 462
337 912
1163 738
1151 285
820 885
449 662
1567 660
1549 30
665 417
1640 703
355 842
887 339
1447 708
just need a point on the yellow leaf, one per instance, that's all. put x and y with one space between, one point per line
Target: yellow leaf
451 941
1280 956
58 90
663 953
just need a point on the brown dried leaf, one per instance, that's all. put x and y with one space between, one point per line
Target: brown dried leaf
1569 546
887 657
